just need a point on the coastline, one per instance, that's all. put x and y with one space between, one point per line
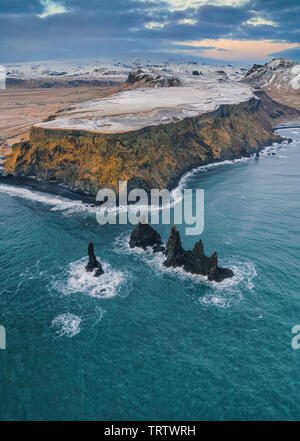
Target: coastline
153 157
48 187
75 194
187 172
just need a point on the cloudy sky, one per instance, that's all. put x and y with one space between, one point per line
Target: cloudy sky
226 30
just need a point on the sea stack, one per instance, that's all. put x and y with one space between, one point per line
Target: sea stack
144 236
194 261
174 251
93 264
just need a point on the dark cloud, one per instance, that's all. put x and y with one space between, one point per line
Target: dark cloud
20 7
293 54
121 27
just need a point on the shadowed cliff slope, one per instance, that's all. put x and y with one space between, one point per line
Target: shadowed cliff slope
153 157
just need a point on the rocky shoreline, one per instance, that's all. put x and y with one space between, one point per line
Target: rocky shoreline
153 157
48 187
73 193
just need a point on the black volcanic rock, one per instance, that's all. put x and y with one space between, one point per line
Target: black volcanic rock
158 249
194 261
254 68
142 78
133 77
144 236
174 252
93 264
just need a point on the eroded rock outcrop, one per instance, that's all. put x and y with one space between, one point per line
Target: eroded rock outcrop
93 264
194 261
143 79
144 236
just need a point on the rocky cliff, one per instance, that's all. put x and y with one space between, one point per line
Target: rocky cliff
152 157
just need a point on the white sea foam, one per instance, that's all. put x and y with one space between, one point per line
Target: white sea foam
176 194
231 291
273 149
67 324
58 203
78 280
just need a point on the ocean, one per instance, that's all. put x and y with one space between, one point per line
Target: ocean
147 343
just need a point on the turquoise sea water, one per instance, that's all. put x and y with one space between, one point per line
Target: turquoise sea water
155 344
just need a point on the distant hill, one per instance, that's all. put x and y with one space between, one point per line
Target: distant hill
278 73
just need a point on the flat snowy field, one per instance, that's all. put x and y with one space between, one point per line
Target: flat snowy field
137 108
68 70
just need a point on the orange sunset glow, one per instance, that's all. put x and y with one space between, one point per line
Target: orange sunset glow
233 50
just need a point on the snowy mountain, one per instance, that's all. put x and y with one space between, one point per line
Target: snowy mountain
118 71
279 73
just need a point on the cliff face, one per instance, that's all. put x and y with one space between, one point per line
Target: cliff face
153 157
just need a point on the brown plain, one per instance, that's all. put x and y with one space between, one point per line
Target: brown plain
289 97
21 108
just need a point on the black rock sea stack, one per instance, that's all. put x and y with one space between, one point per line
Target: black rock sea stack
93 264
194 261
144 236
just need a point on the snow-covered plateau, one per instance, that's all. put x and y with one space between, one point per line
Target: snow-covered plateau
203 88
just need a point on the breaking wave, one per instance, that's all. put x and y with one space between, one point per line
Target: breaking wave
78 280
58 203
67 324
